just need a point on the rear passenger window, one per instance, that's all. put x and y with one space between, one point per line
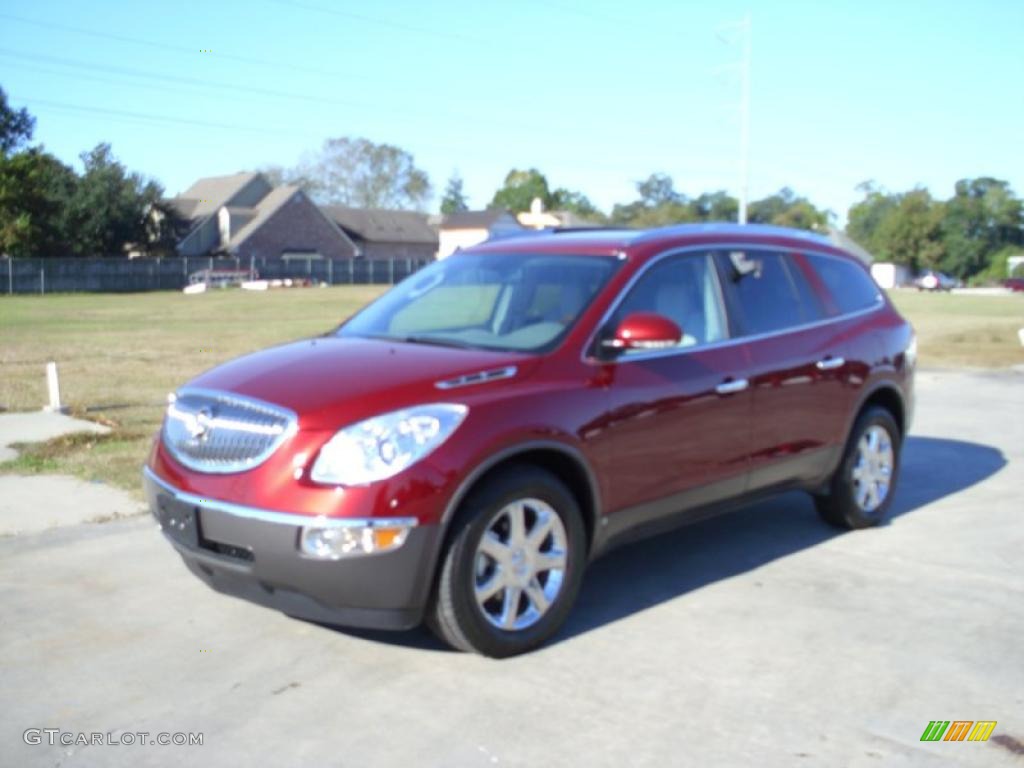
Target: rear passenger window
771 295
851 287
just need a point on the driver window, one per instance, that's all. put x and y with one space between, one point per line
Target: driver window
685 290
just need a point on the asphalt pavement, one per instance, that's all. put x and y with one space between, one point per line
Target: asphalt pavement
760 638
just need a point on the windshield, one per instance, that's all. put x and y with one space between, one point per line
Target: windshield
515 302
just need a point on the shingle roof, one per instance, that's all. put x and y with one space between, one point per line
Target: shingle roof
376 225
263 210
473 219
212 192
184 206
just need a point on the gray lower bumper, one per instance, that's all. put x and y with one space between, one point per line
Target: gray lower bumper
259 560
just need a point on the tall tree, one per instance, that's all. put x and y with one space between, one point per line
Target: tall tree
35 193
982 217
454 200
359 173
16 126
111 208
520 189
786 209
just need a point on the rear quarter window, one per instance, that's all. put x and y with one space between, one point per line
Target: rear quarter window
851 287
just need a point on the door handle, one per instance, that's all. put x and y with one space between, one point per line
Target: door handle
732 386
830 363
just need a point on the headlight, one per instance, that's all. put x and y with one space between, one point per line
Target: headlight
383 446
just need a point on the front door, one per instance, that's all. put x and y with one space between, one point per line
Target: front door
679 418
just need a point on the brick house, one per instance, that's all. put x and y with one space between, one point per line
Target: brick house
242 215
385 234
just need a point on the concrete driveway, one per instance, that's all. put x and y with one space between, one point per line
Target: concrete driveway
761 638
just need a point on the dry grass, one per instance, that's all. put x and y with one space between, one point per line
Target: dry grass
956 331
119 355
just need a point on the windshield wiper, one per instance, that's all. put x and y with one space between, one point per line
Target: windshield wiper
436 341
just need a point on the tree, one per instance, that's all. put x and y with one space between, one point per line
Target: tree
786 209
111 208
520 189
981 218
35 193
454 200
864 220
575 202
16 126
359 173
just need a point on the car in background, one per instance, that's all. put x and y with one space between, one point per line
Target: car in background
1015 284
460 449
935 281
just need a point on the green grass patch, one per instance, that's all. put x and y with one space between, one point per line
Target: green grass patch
119 355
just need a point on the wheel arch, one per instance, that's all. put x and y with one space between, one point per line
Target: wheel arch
564 461
885 395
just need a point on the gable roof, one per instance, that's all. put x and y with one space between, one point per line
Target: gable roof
262 211
377 225
208 194
474 219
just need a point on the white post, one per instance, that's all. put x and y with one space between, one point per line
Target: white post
53 385
744 120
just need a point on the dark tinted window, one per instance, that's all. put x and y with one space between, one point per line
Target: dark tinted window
767 291
683 289
851 287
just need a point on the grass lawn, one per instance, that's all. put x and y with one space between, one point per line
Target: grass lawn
119 355
955 331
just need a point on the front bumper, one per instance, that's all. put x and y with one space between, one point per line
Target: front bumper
254 554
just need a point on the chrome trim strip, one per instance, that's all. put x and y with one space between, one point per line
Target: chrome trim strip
481 377
707 248
288 414
280 518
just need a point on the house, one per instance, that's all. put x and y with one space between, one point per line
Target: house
466 228
383 234
242 215
538 218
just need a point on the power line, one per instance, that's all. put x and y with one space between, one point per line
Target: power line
382 22
77 64
181 49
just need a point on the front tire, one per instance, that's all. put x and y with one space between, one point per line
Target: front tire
862 488
513 567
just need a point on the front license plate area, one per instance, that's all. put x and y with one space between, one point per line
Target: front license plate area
179 521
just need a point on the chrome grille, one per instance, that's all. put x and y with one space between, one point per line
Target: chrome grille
220 432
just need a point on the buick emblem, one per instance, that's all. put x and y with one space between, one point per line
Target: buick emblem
200 425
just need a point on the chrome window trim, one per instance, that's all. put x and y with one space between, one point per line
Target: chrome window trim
289 415
727 342
280 518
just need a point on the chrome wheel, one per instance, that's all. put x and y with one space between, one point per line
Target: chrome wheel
872 470
519 564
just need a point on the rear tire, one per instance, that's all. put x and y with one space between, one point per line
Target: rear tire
861 490
513 566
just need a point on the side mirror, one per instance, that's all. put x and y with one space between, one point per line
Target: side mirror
644 330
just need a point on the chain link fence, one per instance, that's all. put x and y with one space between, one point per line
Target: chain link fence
114 275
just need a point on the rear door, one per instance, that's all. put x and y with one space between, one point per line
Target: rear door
798 375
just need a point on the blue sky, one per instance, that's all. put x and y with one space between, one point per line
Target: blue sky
595 94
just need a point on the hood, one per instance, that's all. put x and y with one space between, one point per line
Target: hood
330 382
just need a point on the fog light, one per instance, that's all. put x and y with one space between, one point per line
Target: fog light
365 537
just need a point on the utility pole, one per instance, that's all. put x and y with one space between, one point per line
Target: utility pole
743 28
745 31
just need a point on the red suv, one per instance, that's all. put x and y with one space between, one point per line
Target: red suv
460 449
